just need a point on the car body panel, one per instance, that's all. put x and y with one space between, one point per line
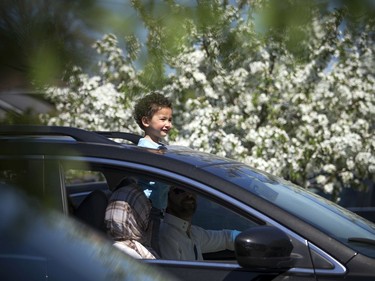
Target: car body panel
324 258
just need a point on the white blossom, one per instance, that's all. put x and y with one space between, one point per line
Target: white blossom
306 121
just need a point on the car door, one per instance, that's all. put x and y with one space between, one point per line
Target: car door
216 211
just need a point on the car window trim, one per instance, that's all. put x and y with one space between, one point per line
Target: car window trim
221 265
63 189
338 269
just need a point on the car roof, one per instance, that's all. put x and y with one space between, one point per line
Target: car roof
54 139
67 141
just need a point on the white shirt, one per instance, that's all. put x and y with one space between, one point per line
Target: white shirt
176 244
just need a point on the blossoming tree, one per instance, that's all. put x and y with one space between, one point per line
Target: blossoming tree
302 110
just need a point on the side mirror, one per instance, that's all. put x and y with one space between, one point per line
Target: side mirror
264 247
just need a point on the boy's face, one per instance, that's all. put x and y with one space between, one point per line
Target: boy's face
159 125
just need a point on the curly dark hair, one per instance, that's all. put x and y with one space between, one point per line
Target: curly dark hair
149 105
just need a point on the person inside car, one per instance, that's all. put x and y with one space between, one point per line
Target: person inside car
127 221
179 239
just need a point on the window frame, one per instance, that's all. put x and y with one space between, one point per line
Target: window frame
219 197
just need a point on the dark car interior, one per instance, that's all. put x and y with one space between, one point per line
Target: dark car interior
89 191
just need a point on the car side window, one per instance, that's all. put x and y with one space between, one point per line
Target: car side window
208 210
214 226
80 183
215 222
87 192
23 173
13 172
217 216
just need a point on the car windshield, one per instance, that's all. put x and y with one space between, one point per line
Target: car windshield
335 221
